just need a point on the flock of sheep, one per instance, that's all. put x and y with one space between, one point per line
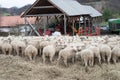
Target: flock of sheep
87 49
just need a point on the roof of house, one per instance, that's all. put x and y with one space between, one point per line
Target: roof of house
67 7
12 21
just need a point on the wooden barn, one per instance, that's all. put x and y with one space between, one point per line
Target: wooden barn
72 17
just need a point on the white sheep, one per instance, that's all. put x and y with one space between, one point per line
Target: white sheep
6 48
67 53
20 48
13 43
42 45
31 52
105 51
96 52
115 54
1 42
49 51
87 57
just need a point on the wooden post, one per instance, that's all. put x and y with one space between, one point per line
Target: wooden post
56 19
79 22
84 25
73 22
25 26
44 26
65 24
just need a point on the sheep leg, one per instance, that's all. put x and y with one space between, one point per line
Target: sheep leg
14 52
34 56
58 60
65 61
9 52
86 65
30 57
17 52
51 57
73 60
22 54
103 58
99 59
43 57
82 61
92 61
4 52
99 64
114 59
108 59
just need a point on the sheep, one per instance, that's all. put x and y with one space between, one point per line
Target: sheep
1 42
6 47
96 52
31 52
67 53
115 54
87 57
34 43
49 51
42 45
105 51
20 47
13 43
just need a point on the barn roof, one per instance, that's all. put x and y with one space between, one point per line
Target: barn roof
93 12
67 7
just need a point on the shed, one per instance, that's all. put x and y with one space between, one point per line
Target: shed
66 8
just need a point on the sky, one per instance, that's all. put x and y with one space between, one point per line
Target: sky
13 3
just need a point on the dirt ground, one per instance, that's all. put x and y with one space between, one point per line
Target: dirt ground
17 68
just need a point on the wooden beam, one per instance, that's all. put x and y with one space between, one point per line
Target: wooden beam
65 19
44 25
32 27
25 26
34 15
42 7
73 24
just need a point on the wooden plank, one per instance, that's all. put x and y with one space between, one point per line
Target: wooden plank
44 15
42 7
32 27
65 24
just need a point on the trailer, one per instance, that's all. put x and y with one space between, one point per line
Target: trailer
114 25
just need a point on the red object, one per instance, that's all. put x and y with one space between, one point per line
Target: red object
87 28
40 32
97 31
80 31
48 32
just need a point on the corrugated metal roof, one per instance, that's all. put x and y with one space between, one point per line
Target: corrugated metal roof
70 7
93 12
67 7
